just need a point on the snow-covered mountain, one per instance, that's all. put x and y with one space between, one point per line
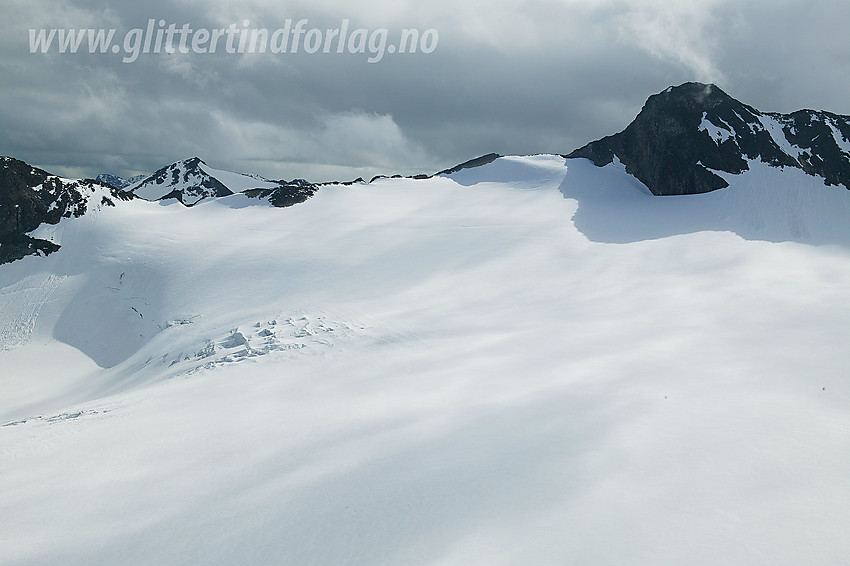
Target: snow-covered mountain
519 360
687 139
191 180
687 136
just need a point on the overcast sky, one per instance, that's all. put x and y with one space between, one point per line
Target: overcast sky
511 77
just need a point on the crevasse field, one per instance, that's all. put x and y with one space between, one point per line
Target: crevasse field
531 362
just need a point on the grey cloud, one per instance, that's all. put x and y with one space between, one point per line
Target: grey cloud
516 77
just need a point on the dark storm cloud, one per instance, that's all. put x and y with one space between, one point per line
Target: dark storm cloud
519 77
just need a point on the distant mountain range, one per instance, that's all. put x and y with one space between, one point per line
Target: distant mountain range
682 142
118 182
31 197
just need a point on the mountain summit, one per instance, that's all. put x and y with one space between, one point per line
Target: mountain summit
685 134
191 180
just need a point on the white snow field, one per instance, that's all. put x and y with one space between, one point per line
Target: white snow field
531 362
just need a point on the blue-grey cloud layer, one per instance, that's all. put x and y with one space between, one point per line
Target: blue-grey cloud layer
520 77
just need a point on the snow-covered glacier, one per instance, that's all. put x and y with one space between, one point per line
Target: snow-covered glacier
534 361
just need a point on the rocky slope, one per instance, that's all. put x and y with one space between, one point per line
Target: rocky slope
684 134
30 197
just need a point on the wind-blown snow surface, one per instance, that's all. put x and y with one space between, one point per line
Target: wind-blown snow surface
460 370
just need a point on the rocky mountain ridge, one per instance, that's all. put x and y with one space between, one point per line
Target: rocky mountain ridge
680 143
686 133
30 197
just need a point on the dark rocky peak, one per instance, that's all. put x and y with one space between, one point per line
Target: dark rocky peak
113 180
119 182
685 132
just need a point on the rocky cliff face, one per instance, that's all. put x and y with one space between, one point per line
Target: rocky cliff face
684 133
30 197
287 193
